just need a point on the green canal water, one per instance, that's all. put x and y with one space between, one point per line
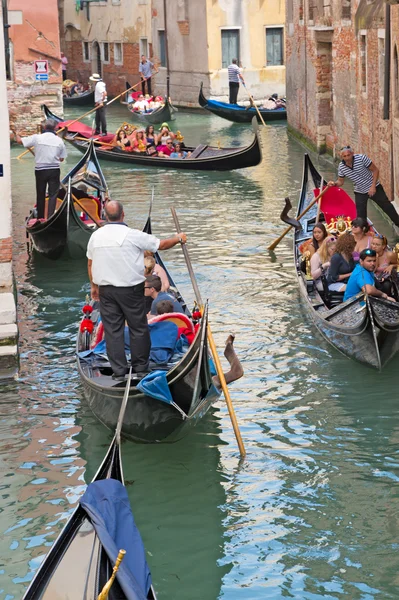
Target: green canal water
312 512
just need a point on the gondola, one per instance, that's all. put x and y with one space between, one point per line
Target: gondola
81 560
202 158
240 114
161 114
67 231
84 99
365 329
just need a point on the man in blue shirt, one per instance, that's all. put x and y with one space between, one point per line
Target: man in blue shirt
145 70
152 289
362 278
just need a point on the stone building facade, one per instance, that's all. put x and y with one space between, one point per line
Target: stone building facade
202 38
106 38
33 35
336 78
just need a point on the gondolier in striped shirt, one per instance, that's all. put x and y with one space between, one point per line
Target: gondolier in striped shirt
116 271
364 173
234 73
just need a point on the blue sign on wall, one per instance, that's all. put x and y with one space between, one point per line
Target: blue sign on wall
41 76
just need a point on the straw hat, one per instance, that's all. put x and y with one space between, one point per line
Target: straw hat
95 77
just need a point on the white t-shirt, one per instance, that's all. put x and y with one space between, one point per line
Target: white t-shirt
49 149
117 253
98 92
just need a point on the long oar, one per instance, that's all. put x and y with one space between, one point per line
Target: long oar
211 342
82 139
278 240
253 103
86 114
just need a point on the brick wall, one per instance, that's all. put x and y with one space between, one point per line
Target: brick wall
115 76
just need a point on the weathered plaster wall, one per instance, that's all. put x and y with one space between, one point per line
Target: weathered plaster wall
37 38
124 23
187 46
252 17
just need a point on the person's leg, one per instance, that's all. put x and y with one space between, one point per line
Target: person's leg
231 84
98 121
64 75
53 181
381 199
133 305
143 87
361 205
114 325
235 92
149 85
41 183
103 120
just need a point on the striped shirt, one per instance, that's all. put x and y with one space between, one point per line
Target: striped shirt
359 173
233 72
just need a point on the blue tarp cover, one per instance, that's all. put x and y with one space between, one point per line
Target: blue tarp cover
238 108
107 504
156 386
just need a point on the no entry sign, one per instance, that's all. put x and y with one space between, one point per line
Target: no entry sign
41 70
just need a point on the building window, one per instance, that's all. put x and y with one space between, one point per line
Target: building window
312 9
105 46
86 52
381 65
363 62
300 8
346 10
230 46
274 46
144 47
118 53
162 47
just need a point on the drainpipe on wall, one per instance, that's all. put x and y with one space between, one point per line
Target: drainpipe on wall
387 65
6 38
166 49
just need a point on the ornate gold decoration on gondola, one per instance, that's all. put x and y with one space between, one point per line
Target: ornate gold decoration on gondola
179 136
103 595
306 258
339 225
128 128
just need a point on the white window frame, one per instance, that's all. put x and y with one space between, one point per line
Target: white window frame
276 26
141 46
105 62
86 60
118 62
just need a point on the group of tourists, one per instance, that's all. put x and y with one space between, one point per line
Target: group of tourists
163 143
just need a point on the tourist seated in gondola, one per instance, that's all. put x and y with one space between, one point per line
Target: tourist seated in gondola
319 235
122 140
164 134
153 268
270 103
386 260
178 152
360 231
141 104
341 263
166 149
150 135
363 280
138 141
152 288
320 261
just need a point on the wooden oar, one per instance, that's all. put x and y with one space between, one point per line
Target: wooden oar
253 103
319 203
211 342
82 139
86 114
94 219
278 240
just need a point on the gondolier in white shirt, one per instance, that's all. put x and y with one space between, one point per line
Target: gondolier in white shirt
116 271
234 73
100 99
145 70
360 169
50 152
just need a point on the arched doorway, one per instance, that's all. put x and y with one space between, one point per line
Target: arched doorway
96 66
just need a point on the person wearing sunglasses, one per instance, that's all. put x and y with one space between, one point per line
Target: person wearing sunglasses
166 149
360 169
362 279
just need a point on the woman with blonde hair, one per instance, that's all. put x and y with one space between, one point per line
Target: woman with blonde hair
152 268
320 260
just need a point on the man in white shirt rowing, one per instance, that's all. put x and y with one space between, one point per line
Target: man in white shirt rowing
116 270
49 152
100 99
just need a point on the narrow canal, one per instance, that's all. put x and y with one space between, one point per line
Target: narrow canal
313 510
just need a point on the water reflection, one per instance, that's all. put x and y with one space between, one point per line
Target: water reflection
315 503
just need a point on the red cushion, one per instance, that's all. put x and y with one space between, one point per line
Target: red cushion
180 319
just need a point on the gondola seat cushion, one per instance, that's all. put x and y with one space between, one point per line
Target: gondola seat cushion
164 335
182 321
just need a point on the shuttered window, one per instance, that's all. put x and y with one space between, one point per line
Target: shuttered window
230 46
274 46
162 48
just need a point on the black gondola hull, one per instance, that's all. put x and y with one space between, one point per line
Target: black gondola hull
164 113
240 114
85 99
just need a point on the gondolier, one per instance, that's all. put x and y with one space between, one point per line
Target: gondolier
145 70
116 270
360 169
100 98
49 152
234 73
